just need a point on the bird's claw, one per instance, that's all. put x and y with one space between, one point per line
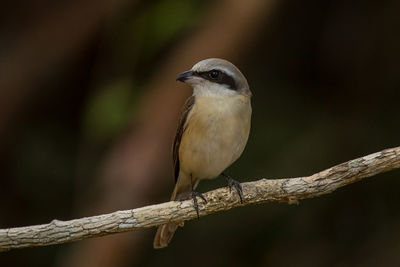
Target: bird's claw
194 195
236 184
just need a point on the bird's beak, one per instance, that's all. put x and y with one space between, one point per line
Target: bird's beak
185 76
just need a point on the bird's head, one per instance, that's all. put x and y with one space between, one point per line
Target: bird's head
215 76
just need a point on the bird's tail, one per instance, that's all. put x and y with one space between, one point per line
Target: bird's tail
164 235
165 232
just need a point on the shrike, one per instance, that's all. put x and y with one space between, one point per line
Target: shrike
212 132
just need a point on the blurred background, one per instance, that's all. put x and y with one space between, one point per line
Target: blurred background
89 106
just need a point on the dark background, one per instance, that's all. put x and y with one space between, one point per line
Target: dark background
89 106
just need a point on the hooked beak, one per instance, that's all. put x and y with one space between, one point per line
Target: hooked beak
184 76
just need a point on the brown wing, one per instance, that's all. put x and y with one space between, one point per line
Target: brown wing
179 132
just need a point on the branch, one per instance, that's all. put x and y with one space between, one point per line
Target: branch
278 190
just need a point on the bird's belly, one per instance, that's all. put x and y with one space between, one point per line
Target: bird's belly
212 144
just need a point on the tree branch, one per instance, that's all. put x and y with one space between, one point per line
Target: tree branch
281 190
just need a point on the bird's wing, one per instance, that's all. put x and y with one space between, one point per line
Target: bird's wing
179 132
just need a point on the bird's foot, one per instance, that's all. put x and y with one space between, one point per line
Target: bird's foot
236 184
193 195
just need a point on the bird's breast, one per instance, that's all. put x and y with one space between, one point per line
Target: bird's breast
216 133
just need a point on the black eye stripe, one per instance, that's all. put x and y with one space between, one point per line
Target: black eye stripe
222 78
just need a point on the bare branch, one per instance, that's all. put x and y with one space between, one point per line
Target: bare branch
281 190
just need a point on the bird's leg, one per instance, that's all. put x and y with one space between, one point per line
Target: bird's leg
194 195
236 184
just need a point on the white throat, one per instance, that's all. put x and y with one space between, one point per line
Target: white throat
207 88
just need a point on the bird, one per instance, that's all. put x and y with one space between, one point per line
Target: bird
212 132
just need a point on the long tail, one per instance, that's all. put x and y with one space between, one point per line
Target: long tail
164 235
165 232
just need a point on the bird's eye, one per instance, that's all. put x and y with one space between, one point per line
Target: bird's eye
214 74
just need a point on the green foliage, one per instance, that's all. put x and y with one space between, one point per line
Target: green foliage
150 32
108 111
136 41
